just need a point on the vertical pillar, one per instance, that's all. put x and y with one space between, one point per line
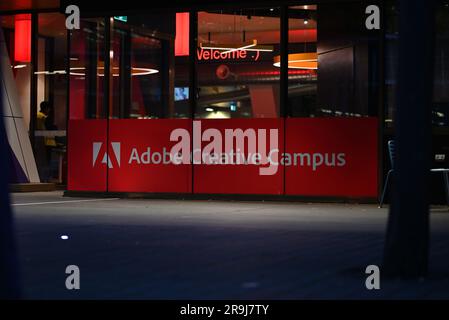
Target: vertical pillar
407 241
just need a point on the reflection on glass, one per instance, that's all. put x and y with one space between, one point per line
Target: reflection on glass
440 106
50 136
440 112
87 70
302 62
138 74
21 69
147 100
51 66
333 63
236 73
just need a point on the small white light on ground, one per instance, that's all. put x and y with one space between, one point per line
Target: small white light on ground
64 237
250 285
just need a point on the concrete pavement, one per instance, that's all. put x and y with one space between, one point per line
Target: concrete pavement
168 249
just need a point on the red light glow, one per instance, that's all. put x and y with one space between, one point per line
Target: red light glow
182 34
22 38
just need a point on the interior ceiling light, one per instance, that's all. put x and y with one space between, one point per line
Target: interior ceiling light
19 66
307 60
249 46
50 72
81 71
134 71
229 48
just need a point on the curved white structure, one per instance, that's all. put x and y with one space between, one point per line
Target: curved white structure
18 138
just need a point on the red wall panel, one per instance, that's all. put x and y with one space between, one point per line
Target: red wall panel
239 179
151 177
329 140
86 172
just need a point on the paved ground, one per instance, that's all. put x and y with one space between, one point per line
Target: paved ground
160 249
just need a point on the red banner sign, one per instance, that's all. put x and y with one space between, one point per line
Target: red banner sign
322 156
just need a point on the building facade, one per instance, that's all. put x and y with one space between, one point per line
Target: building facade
268 99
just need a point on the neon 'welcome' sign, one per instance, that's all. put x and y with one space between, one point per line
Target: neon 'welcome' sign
218 55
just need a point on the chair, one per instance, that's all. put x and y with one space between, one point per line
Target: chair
392 153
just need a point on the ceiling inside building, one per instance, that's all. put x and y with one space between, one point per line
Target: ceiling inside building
12 5
263 25
49 25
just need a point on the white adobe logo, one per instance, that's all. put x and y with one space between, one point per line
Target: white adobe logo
96 147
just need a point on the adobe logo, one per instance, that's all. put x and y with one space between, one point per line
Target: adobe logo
96 148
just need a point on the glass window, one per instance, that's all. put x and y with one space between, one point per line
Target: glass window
18 45
150 69
391 60
87 71
302 61
147 86
51 68
332 62
159 50
138 83
440 112
440 106
51 118
237 75
181 72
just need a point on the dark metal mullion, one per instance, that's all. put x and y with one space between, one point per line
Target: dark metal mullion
91 77
352 101
283 106
67 107
125 76
171 78
50 66
193 30
193 63
381 98
33 84
106 87
283 110
165 78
